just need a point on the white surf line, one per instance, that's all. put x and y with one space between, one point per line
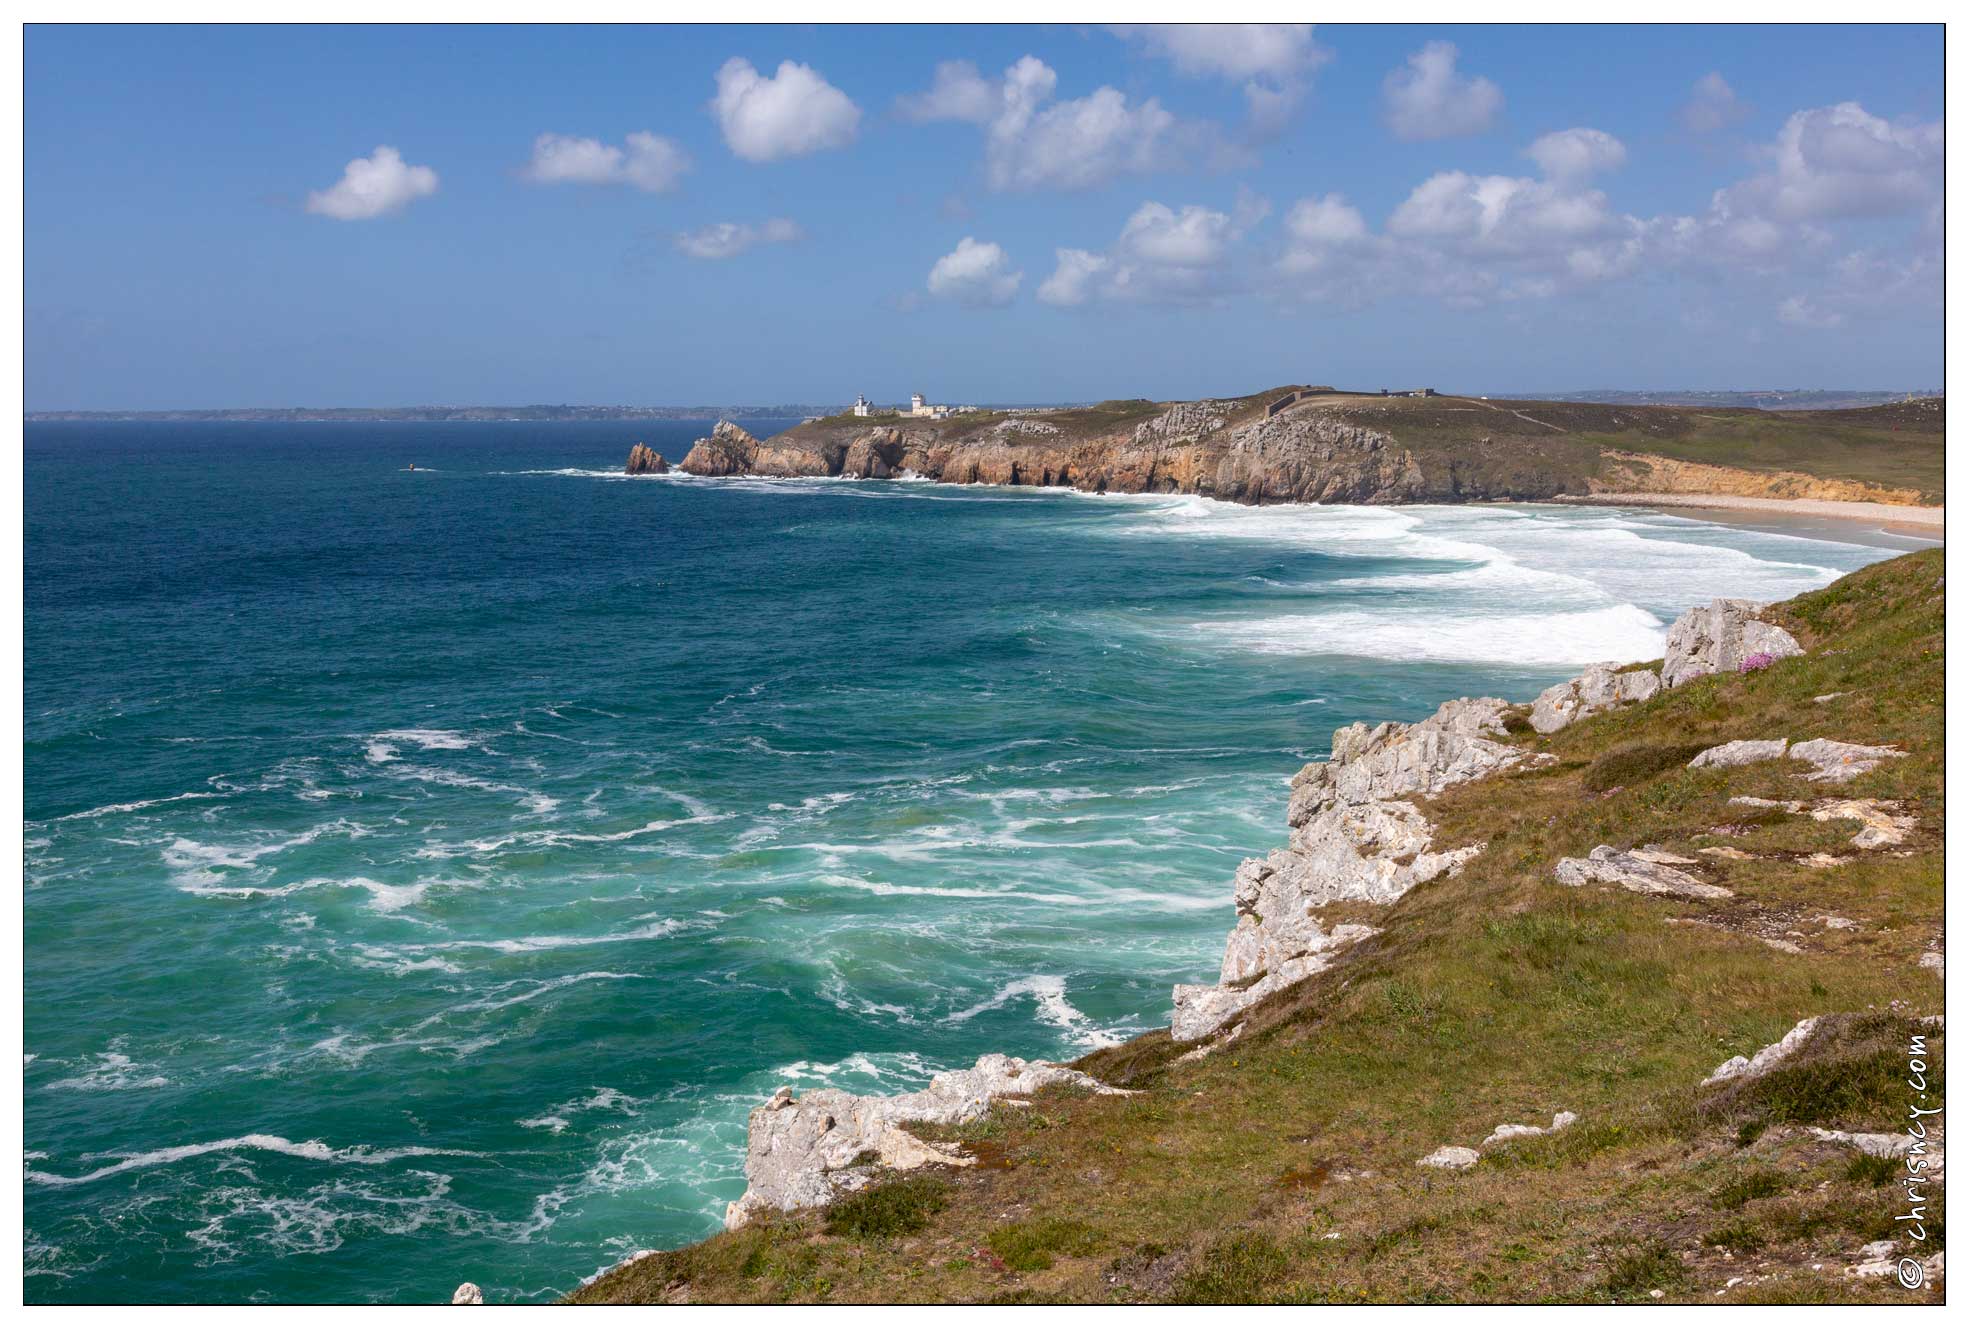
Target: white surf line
311 1150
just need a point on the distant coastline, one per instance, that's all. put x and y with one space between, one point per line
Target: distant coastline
1771 399
431 414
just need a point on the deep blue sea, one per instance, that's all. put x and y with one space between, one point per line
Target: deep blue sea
426 871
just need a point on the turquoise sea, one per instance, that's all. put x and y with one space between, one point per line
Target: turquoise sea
427 871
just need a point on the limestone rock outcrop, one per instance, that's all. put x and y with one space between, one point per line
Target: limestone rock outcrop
1741 752
807 1151
1646 871
1766 1058
1509 1131
1601 688
645 460
1718 637
1839 762
1185 422
1454 1157
1833 762
1354 835
468 1294
1314 458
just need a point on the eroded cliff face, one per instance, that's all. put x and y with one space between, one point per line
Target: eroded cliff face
1644 473
1304 456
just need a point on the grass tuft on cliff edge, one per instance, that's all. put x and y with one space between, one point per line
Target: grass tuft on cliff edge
1281 1167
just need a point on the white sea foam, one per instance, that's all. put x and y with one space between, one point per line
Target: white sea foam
431 740
1531 587
531 992
112 809
651 931
112 1072
313 1151
1616 632
200 868
1049 996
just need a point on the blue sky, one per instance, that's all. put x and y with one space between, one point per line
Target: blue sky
1071 213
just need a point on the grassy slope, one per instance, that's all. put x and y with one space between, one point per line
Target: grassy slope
1281 1168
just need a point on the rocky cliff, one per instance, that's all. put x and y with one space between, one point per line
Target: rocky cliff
1359 833
1217 449
1465 1037
1319 446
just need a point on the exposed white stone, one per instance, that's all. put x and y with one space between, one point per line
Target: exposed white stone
1452 1156
1742 752
1201 1009
806 1151
1719 636
1738 1068
1601 688
1880 821
1839 762
1354 835
1512 1131
1880 826
1645 871
468 1294
1927 1152
1877 1260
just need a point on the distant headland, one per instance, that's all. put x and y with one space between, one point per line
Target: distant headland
1767 399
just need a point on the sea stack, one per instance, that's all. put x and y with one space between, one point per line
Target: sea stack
645 460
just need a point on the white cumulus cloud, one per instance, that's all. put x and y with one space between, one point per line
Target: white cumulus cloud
1273 61
1231 50
730 239
1810 235
957 92
976 273
791 114
1841 161
1573 153
646 161
1033 141
1428 99
374 186
1163 255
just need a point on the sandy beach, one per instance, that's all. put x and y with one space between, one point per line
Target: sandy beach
1927 521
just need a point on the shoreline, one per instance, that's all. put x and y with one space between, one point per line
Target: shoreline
1924 520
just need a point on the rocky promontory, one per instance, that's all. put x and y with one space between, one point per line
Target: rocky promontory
1288 445
1486 1029
1358 833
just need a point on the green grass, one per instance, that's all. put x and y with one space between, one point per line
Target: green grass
1233 1269
1496 995
1816 443
1631 763
1757 1184
1032 1243
890 1209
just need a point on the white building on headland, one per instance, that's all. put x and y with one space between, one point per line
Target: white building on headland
918 408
